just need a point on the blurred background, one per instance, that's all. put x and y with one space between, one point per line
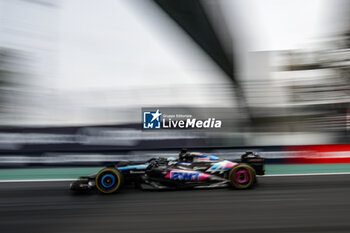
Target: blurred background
74 75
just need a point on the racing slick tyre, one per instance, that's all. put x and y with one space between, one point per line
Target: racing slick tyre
109 180
242 177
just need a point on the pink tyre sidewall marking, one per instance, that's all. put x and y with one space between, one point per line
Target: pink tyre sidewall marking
242 177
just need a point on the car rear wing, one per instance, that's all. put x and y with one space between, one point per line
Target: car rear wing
255 161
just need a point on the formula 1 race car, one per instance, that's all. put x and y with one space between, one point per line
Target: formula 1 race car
189 170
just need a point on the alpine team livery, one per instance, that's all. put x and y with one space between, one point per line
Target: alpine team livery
190 170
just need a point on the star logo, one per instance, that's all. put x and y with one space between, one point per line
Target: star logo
151 120
156 115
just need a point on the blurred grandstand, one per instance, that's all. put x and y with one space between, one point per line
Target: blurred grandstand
74 79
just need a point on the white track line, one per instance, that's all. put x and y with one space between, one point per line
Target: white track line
272 175
38 180
309 174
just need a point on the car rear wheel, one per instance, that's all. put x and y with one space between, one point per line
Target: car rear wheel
242 177
109 180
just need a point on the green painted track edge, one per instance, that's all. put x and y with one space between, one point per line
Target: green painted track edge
73 173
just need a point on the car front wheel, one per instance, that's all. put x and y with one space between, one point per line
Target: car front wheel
109 180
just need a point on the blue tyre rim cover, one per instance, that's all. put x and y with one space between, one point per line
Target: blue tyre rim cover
106 177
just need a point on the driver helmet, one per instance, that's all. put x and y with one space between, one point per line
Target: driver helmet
182 153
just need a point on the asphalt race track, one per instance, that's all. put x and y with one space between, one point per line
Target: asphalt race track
278 204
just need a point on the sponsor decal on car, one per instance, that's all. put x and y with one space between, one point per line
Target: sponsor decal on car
222 166
136 167
186 175
184 163
205 158
199 168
